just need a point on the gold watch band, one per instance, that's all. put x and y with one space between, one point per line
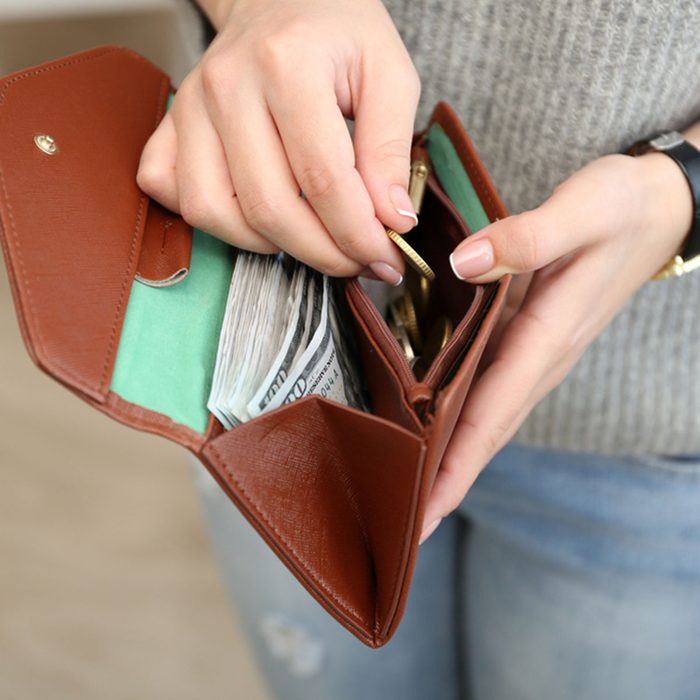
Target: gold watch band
676 267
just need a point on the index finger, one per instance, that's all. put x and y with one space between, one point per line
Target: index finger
321 154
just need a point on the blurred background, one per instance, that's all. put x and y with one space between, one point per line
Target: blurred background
108 588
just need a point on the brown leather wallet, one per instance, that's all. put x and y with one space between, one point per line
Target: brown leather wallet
337 493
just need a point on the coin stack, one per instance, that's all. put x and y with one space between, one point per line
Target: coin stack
419 339
409 321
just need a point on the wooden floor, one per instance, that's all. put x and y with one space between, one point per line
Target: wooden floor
108 589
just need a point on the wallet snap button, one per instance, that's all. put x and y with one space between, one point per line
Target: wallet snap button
46 143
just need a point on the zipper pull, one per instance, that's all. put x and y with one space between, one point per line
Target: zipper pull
420 396
420 393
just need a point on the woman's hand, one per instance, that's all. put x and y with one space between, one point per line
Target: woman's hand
261 118
579 257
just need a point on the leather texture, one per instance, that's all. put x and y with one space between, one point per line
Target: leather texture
688 158
73 221
338 494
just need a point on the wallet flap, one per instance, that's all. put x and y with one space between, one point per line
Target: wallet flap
334 493
71 253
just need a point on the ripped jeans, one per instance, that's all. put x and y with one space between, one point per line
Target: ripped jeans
561 576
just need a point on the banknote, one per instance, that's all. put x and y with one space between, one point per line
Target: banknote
281 339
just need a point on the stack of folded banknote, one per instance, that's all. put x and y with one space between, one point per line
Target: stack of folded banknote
281 339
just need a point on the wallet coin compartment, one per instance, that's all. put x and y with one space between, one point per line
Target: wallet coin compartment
441 227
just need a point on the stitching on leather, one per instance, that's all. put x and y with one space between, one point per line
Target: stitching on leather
165 83
152 421
303 565
47 69
125 281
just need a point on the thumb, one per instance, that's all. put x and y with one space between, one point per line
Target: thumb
521 243
384 122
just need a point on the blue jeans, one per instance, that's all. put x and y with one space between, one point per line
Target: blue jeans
562 576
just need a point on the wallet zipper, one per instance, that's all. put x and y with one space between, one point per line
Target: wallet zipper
418 392
385 339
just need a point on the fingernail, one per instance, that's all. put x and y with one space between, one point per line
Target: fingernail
429 530
472 259
402 202
387 273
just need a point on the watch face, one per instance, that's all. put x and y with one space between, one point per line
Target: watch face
670 139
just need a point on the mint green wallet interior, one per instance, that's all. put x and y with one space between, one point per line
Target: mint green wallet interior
170 336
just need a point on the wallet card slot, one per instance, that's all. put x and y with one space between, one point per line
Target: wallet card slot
167 348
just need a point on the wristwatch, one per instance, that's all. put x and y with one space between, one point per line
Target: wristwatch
687 156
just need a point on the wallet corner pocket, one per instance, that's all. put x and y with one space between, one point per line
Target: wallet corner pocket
332 490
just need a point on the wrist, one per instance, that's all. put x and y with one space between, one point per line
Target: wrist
670 198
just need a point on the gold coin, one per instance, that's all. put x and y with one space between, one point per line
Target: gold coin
408 315
425 289
398 330
419 288
412 257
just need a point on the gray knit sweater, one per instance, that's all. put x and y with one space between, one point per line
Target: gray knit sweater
543 87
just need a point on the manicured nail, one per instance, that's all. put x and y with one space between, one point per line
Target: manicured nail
429 530
472 259
402 202
387 273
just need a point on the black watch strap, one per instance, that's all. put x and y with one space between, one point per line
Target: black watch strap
687 156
